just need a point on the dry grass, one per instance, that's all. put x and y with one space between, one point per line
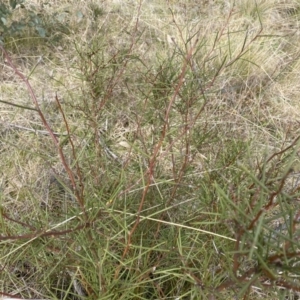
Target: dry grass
172 172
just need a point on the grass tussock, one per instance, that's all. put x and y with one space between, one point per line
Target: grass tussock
149 150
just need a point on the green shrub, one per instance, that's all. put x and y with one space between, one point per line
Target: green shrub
16 18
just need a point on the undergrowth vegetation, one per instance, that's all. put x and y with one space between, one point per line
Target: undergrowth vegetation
150 150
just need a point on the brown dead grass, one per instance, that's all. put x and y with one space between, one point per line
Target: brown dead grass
254 98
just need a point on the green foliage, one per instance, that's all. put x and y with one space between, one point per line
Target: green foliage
16 18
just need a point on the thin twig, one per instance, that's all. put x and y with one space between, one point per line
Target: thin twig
47 126
18 105
44 132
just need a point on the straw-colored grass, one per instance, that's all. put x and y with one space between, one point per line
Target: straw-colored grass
157 155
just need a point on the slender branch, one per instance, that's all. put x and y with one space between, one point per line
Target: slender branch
18 105
47 126
44 132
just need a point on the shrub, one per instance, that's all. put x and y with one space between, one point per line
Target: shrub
16 18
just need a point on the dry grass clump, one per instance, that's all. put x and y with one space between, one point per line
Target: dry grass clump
150 151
